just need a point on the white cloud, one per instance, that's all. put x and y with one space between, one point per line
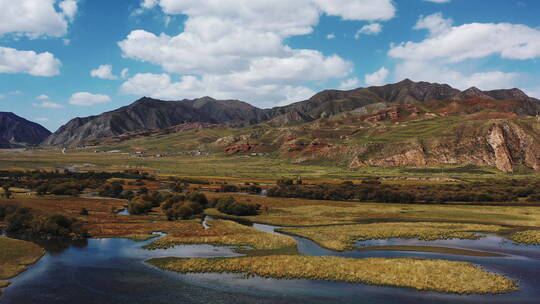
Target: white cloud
242 44
470 41
331 36
438 1
149 3
358 9
104 71
370 29
164 87
42 97
48 104
35 18
69 8
348 84
88 99
29 62
436 24
435 58
125 73
377 78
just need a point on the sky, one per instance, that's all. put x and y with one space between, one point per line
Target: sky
60 59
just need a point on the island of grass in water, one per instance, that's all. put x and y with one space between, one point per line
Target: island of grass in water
425 275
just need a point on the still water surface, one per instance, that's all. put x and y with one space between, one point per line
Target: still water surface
113 271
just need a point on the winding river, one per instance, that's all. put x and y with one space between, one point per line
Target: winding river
113 271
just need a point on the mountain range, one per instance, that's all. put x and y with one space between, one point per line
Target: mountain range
402 124
148 113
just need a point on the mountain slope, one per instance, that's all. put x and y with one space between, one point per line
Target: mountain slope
148 113
16 132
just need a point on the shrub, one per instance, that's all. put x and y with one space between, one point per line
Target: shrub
229 206
139 206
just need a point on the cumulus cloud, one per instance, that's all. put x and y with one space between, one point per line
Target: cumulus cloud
436 24
164 87
470 41
69 8
35 18
349 84
377 78
88 99
104 71
358 9
331 36
435 57
42 97
223 45
48 104
370 29
29 62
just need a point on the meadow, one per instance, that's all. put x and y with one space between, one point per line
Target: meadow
529 237
227 233
343 237
303 212
424 275
15 257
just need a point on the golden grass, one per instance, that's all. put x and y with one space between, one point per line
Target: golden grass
432 275
224 233
16 255
302 212
529 237
432 249
343 237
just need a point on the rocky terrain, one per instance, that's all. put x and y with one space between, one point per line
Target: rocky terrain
17 132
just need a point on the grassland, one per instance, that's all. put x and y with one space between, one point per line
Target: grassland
302 212
233 167
15 256
528 237
227 233
343 237
432 275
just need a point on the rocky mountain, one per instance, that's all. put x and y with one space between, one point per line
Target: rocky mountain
148 113
17 132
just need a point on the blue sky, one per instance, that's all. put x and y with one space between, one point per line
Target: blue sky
65 58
